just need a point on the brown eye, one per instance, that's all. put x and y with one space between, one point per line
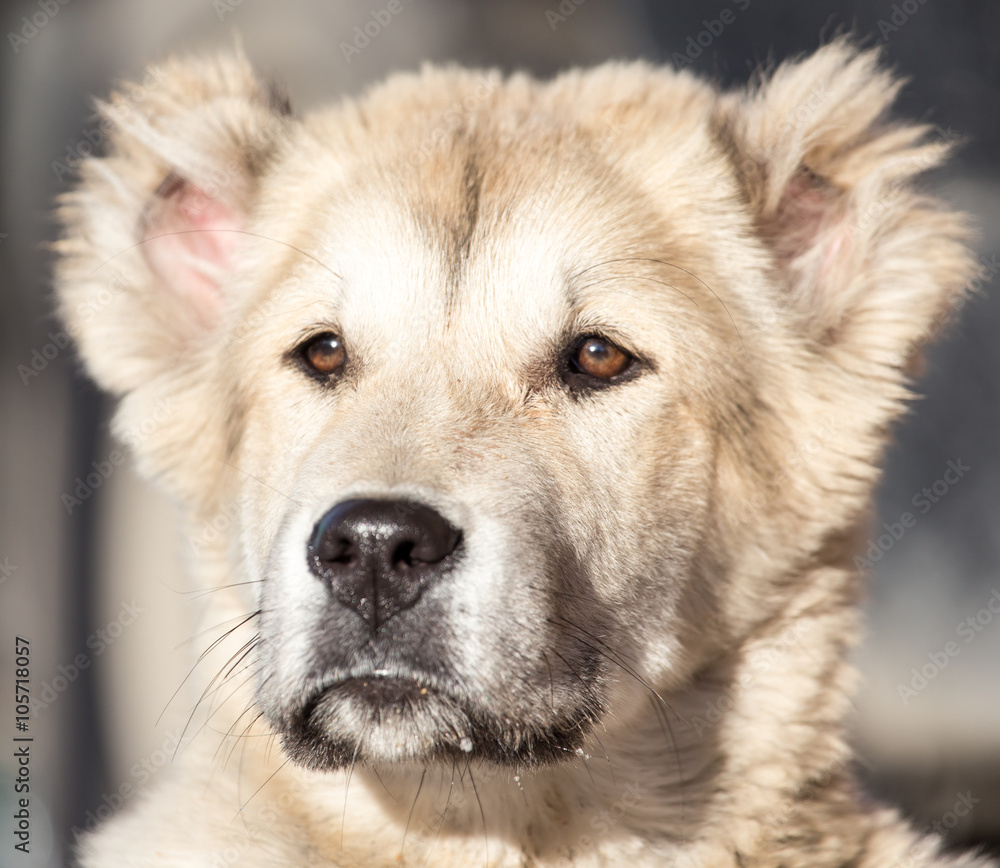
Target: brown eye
324 354
601 359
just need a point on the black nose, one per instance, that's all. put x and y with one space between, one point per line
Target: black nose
377 556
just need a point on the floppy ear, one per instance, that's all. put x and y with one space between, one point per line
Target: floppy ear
152 229
871 266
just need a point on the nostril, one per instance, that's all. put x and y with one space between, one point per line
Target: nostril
346 559
334 550
435 546
403 555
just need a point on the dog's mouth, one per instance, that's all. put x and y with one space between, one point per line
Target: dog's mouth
404 717
385 692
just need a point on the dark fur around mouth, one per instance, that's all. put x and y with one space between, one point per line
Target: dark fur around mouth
436 727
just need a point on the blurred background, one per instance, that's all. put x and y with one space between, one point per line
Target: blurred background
97 586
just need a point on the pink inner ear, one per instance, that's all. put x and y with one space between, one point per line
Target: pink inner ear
188 240
809 233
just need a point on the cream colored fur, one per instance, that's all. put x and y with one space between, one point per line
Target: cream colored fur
765 253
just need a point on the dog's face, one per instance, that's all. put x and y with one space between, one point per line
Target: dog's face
500 377
478 466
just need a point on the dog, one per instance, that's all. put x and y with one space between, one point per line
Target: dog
538 423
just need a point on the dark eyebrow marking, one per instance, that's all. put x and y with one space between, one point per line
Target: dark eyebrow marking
462 228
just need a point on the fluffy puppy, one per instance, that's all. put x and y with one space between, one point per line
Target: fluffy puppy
542 419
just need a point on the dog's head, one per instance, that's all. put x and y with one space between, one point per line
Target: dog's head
528 398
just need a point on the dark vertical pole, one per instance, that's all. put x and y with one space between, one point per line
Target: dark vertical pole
86 772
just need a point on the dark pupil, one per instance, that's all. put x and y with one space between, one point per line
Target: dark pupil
325 353
597 352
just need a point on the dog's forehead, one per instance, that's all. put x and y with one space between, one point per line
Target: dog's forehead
484 239
464 243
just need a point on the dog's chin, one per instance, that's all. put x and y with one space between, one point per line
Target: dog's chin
401 720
